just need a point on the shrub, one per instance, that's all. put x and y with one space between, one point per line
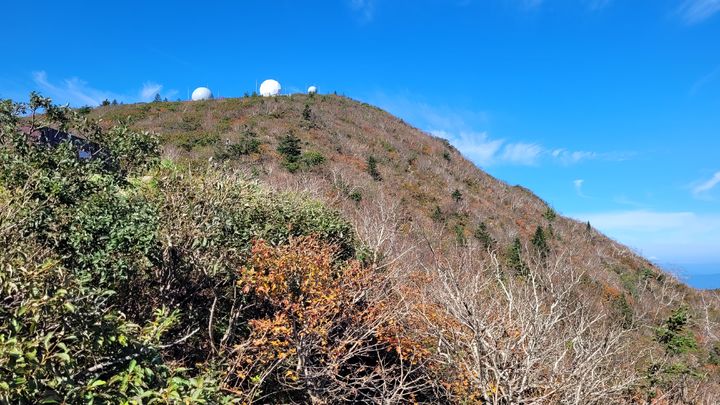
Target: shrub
624 311
312 158
94 255
89 233
355 196
84 110
437 214
673 334
246 145
460 238
714 357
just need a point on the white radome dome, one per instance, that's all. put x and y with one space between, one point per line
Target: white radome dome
201 93
270 88
312 90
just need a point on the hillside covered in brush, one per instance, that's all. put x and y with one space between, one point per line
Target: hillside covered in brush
313 249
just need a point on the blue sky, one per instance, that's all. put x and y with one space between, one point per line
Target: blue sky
607 109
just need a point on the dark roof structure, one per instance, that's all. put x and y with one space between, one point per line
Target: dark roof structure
52 137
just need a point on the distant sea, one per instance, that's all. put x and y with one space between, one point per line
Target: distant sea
705 275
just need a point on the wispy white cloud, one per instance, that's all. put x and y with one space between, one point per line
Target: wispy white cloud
475 145
520 153
571 157
458 126
695 11
486 151
680 237
364 9
77 92
578 184
149 90
73 91
702 188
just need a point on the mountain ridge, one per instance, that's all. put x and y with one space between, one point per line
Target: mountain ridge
352 255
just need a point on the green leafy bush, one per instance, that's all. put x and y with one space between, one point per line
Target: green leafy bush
312 158
95 252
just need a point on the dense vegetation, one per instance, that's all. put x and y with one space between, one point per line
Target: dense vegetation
186 267
137 280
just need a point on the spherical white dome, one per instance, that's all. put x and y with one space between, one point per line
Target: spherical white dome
312 90
270 88
201 93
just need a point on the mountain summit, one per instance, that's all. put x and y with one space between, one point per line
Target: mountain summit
314 249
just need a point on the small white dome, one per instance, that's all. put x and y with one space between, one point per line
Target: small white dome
201 93
312 90
270 88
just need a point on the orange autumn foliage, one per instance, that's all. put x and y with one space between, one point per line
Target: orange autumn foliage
316 331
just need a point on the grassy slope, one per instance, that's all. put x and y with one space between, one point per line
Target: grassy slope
419 174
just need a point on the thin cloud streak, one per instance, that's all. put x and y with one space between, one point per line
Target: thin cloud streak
525 154
701 189
149 90
695 11
578 185
459 128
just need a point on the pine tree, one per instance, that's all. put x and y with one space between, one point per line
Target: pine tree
550 214
540 243
482 234
372 168
514 259
457 195
289 147
157 98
